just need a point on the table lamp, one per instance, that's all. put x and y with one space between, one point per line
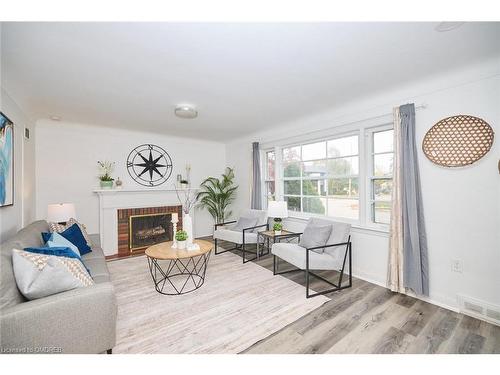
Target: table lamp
278 211
60 212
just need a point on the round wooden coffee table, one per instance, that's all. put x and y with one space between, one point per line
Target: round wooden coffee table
177 271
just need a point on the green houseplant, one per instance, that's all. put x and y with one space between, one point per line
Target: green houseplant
217 194
277 227
106 167
181 237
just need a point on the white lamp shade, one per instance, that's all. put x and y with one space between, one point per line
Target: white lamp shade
277 209
60 212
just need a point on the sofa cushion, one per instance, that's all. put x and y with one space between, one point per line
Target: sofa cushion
96 252
29 236
41 275
96 267
296 255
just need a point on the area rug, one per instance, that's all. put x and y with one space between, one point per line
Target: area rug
238 305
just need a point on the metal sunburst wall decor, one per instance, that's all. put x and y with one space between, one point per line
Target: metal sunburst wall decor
149 165
458 141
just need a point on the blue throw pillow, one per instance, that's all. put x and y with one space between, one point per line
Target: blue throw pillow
74 235
56 240
46 236
57 251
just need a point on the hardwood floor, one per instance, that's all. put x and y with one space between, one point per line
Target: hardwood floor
368 318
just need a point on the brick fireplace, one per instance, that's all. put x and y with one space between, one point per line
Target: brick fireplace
139 228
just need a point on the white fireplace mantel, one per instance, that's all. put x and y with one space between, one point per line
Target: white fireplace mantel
110 200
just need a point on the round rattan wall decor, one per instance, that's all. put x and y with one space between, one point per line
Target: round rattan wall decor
458 141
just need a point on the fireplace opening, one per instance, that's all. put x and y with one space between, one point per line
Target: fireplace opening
149 229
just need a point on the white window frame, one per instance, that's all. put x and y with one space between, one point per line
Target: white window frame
265 171
370 176
365 154
301 214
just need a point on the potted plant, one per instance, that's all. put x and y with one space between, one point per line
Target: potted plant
277 227
217 194
106 167
181 238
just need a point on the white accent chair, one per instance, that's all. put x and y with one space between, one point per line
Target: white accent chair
332 256
241 238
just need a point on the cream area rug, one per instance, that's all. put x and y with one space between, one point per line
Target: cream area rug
238 305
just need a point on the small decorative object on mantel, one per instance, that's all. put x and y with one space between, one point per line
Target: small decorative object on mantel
188 199
458 141
106 167
149 165
119 183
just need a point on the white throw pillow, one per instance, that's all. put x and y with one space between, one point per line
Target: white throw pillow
245 222
314 236
40 275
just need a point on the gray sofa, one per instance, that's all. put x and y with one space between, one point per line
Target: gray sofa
81 320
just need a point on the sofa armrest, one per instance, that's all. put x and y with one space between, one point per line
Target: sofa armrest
81 320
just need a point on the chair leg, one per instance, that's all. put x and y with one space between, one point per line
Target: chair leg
350 264
215 246
307 274
109 351
274 264
337 287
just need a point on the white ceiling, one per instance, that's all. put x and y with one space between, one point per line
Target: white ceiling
242 77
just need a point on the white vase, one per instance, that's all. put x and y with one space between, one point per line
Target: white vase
187 225
181 245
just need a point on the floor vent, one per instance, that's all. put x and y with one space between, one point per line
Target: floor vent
479 309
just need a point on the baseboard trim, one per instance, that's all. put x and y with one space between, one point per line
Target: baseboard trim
432 300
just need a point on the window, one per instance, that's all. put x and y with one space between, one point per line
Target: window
270 176
381 175
323 177
348 178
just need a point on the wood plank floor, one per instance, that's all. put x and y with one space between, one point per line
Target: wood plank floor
368 318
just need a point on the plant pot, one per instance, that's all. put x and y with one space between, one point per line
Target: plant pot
106 184
277 232
181 245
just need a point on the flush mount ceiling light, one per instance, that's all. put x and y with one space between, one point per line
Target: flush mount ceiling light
55 118
447 26
186 111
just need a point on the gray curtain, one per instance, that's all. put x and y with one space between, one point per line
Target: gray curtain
415 265
256 178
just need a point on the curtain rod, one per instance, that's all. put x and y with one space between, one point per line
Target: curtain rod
419 106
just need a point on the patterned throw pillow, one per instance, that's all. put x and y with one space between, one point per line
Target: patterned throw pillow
41 275
56 227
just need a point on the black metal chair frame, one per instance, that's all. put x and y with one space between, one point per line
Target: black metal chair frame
241 247
308 273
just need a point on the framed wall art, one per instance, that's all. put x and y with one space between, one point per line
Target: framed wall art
6 161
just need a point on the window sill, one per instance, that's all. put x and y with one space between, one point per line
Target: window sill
357 227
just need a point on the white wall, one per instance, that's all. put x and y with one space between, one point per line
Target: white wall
13 218
66 165
462 205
